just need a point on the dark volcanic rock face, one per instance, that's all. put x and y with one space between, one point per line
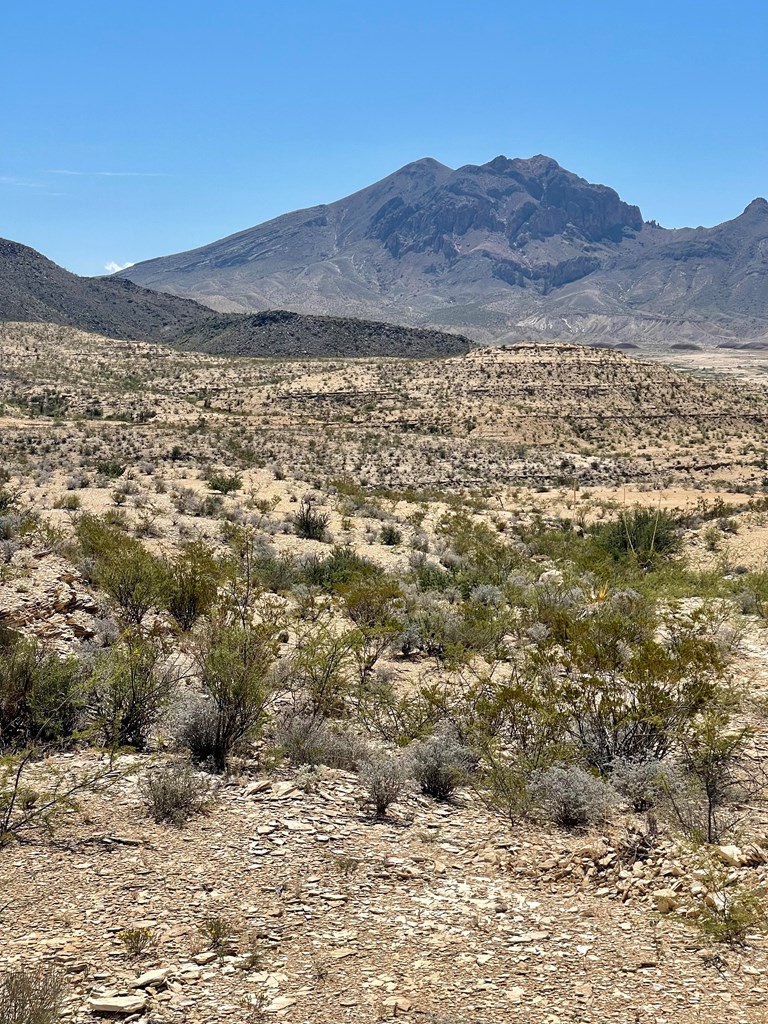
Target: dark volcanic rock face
33 289
509 249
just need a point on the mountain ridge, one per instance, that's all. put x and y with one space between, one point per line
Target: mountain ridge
34 289
507 250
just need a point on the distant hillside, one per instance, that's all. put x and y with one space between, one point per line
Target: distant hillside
281 333
32 288
511 249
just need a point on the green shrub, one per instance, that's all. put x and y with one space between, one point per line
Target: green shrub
390 535
42 696
190 584
235 665
643 535
134 580
225 484
131 687
308 522
343 565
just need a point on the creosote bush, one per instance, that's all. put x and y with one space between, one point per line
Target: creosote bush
234 663
190 584
42 696
132 685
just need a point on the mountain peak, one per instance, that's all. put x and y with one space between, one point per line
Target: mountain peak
510 247
758 205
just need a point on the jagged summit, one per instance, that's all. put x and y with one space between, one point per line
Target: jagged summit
511 249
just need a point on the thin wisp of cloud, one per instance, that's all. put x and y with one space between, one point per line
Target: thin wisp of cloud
109 174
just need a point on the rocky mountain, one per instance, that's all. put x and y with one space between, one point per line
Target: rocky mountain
511 249
33 288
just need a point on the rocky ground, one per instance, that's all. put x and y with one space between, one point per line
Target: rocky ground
442 914
288 899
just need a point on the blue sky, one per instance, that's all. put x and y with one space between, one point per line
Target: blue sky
133 130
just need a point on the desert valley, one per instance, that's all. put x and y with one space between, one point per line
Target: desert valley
383 605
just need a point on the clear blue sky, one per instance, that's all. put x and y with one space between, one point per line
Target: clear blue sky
137 129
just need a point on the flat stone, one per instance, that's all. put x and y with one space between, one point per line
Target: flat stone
118 1004
153 978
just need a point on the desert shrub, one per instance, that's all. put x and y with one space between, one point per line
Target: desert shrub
570 796
110 469
34 793
137 941
731 907
628 681
130 574
384 780
439 764
640 780
234 663
133 578
309 522
708 779
306 739
41 695
320 674
375 606
430 627
9 500
31 995
190 584
225 484
502 785
396 718
131 687
642 534
176 792
341 566
390 535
